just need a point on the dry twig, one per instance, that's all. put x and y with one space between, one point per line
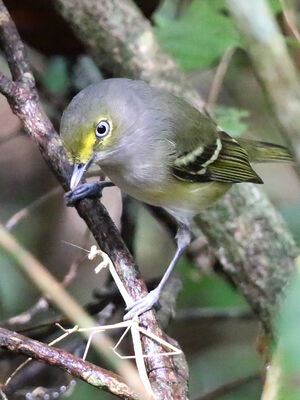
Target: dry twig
234 228
83 370
290 19
23 98
48 285
19 321
273 65
219 77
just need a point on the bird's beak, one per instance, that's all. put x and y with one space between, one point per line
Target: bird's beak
78 172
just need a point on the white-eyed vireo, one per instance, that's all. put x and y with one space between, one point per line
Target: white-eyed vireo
160 150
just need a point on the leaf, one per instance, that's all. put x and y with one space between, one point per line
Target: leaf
56 76
200 36
205 290
275 6
231 119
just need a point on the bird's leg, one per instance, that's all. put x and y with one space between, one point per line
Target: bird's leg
89 189
183 239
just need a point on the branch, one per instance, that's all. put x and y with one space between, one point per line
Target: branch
25 211
48 285
87 372
219 77
14 50
25 104
247 234
289 15
121 41
273 65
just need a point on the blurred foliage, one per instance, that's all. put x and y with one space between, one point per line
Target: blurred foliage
200 36
237 361
291 214
56 76
10 304
231 119
205 290
275 6
288 325
218 351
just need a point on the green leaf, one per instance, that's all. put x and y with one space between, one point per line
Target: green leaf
201 36
205 290
56 76
231 119
275 6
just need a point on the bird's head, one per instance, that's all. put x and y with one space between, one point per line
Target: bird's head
96 122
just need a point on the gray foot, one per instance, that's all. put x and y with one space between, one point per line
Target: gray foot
89 189
142 305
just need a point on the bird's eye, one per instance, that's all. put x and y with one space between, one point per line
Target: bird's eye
102 129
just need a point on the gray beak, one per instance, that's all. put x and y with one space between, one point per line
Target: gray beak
78 172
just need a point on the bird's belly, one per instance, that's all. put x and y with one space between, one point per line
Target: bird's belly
186 199
176 195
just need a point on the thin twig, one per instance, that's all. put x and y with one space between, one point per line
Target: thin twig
96 376
273 66
14 50
273 382
7 139
137 344
290 19
26 316
25 104
42 303
3 395
219 77
48 285
24 212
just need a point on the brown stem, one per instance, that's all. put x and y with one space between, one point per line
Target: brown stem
246 233
167 382
25 211
273 65
14 50
87 372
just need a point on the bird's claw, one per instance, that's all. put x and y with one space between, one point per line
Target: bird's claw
142 305
89 189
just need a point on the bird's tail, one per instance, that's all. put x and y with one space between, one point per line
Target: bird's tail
260 152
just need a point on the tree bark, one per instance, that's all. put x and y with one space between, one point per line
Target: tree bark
248 235
167 381
273 65
87 372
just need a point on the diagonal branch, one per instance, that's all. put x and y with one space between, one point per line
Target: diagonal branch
39 275
273 65
14 50
96 376
25 104
247 234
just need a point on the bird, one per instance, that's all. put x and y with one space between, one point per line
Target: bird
159 149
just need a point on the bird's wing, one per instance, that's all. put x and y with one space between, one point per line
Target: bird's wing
207 154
